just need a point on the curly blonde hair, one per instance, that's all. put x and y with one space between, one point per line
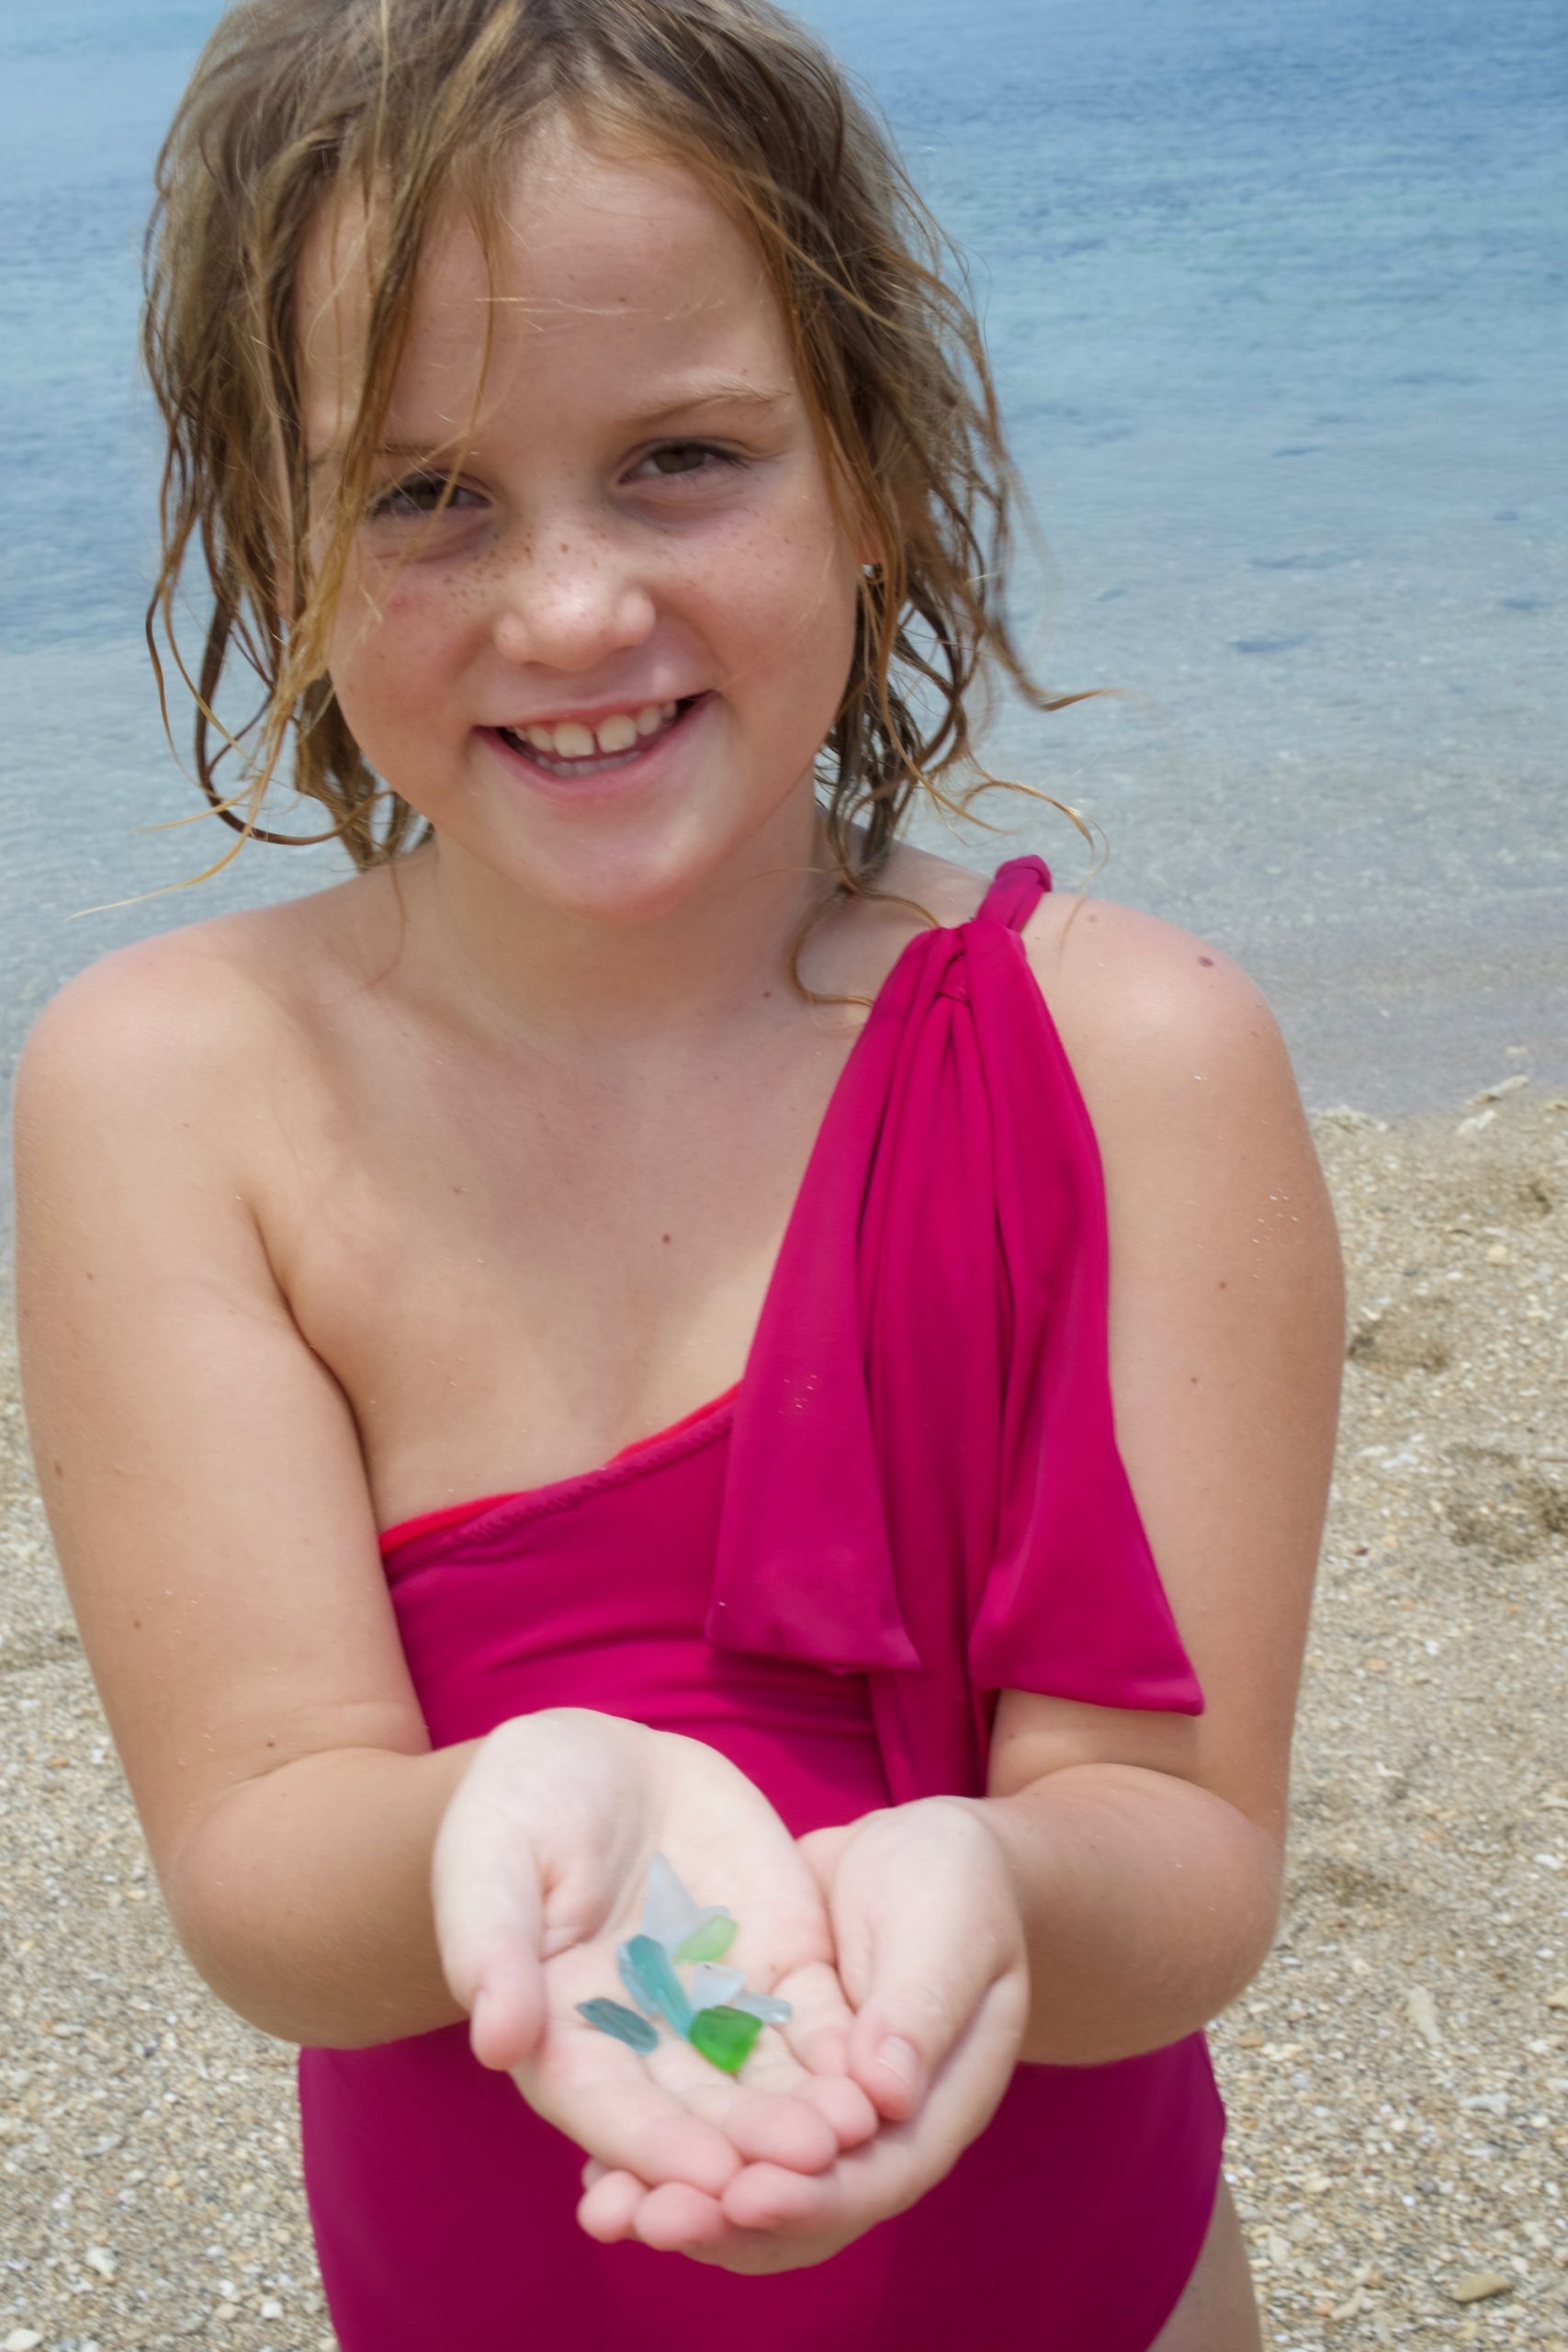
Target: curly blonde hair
416 104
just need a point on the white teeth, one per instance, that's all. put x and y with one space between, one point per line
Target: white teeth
616 734
620 733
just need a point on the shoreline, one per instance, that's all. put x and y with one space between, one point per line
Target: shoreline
1396 2077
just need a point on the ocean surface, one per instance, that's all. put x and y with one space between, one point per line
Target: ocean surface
1275 297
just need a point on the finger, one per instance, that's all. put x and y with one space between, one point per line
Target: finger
674 2217
608 2207
782 2128
849 2113
622 2112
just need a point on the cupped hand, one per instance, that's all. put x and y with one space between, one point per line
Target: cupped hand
930 1951
540 1870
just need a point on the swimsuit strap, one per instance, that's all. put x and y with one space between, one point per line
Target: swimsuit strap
1016 890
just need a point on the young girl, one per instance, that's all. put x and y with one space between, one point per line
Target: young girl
606 492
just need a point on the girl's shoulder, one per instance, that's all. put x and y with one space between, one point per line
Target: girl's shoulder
188 1047
217 984
1181 1063
1136 999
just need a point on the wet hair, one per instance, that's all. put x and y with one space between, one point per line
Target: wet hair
415 106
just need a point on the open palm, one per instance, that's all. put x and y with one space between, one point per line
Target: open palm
541 1870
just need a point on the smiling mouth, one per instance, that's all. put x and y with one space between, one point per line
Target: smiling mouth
542 745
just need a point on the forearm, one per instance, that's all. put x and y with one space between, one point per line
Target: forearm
1147 1903
304 1898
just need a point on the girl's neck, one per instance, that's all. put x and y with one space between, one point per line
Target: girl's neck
529 974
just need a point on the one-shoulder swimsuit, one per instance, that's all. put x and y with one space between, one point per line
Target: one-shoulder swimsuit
912 1502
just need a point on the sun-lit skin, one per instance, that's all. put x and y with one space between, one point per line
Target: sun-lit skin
641 513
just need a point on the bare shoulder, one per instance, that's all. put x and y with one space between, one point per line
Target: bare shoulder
1157 1022
185 1022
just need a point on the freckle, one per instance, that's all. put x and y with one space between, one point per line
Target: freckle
1207 960
1225 1285
664 1237
135 1625
58 1468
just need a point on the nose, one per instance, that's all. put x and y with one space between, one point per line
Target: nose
570 598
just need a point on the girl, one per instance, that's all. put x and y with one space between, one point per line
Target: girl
585 455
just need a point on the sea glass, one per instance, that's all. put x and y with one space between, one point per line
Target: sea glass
710 1939
624 2024
669 1914
635 1985
710 1986
725 2036
646 1970
765 2005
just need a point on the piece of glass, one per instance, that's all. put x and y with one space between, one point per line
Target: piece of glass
624 2024
646 1970
709 1987
710 1939
636 1985
669 1915
725 2036
766 2005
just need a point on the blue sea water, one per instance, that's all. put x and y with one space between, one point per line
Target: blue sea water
1276 302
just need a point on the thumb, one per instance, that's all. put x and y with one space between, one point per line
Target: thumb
488 1914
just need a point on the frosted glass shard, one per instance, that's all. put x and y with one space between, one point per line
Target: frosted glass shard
645 1966
710 1939
725 2036
710 1986
624 2025
635 1985
669 1914
765 2005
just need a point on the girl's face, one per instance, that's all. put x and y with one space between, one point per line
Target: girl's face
604 671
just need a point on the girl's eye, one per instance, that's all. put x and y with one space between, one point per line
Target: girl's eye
421 494
687 460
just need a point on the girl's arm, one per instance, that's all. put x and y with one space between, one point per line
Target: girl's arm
334 1880
1146 1849
1140 1853
203 1479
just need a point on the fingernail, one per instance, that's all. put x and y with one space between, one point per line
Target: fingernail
902 2056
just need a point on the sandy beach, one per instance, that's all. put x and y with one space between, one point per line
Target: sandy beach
1396 2077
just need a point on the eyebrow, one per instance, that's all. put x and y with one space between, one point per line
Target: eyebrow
721 393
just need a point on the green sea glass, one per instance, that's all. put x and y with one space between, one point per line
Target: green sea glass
645 1967
725 2036
624 2024
710 1940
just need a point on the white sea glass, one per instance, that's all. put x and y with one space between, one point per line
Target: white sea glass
711 1984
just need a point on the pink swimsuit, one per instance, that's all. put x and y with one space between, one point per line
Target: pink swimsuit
912 1502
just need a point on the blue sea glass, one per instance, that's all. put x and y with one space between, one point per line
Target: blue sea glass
710 1986
624 2024
646 1968
635 1985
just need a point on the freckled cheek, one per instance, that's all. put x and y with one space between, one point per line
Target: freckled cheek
391 661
